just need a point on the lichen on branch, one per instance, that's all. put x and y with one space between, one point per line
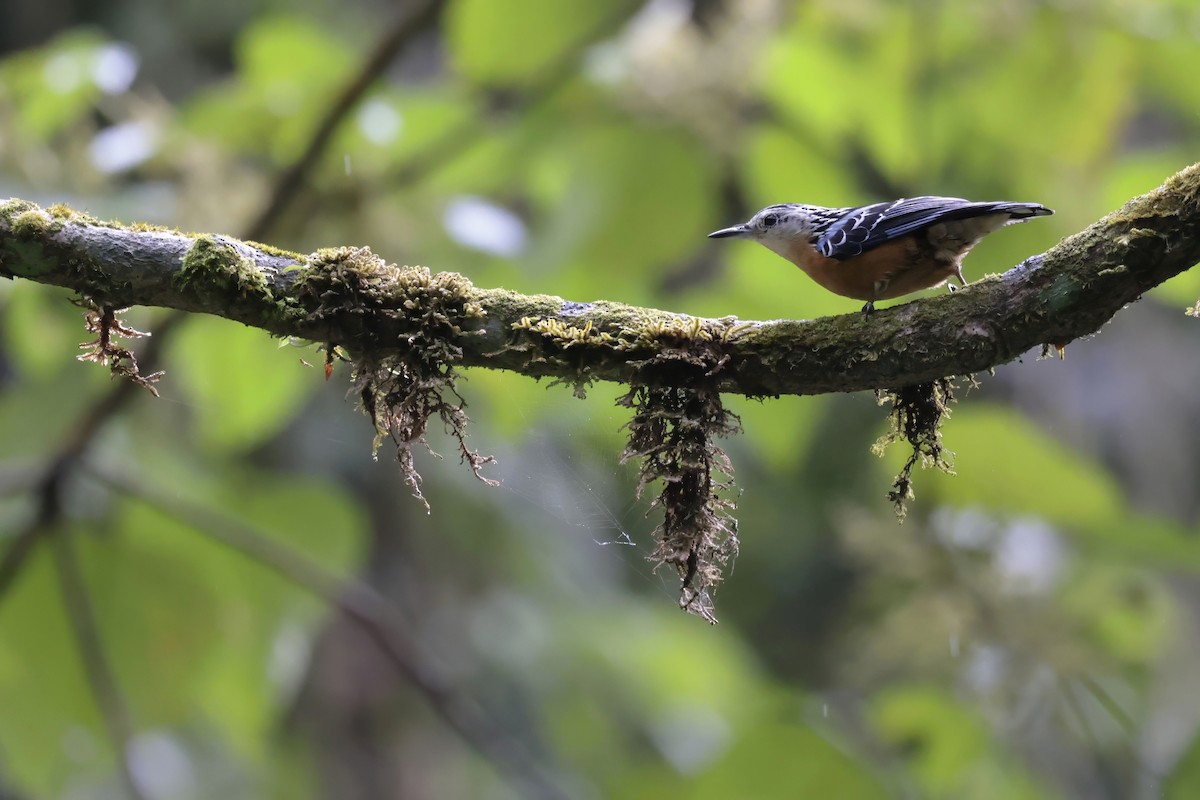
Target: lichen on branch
917 415
404 371
677 418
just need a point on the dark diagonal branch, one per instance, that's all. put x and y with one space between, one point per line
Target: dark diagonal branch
509 101
96 665
376 615
62 464
406 27
352 297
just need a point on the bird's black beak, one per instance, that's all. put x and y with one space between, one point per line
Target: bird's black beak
736 230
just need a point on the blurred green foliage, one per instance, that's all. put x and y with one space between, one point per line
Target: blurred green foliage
1030 632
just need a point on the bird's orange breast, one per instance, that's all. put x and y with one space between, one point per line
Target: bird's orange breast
900 266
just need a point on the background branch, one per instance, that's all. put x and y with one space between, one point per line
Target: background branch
398 36
406 27
379 618
100 676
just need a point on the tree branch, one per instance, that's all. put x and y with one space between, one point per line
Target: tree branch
289 182
377 616
96 665
352 297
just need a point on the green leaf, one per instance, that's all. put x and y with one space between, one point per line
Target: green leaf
37 332
1004 463
1184 781
948 746
785 760
779 429
523 410
807 76
287 69
294 56
241 387
636 201
839 87
36 415
1157 541
1124 609
421 119
244 682
50 88
506 41
1075 81
781 169
42 688
190 627
646 671
942 735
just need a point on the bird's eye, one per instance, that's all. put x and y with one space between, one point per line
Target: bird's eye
770 220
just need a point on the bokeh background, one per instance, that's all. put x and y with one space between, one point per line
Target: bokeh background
1031 631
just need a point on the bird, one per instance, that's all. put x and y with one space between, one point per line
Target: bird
884 250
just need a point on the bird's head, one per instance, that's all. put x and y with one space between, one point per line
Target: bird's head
777 227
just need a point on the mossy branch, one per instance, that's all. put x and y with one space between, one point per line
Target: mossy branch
1064 294
409 329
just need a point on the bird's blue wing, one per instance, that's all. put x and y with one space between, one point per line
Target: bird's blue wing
870 226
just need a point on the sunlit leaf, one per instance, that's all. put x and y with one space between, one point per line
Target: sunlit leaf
948 746
289 66
50 88
782 168
42 684
240 387
785 758
500 41
1183 782
1127 612
636 202
1004 463
37 331
779 430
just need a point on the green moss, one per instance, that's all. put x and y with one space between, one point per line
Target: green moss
629 328
1060 293
217 271
31 224
563 334
917 415
63 212
404 323
431 308
677 416
11 209
1185 183
26 253
32 253
278 251
649 329
146 227
676 364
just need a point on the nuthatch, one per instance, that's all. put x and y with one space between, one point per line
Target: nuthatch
884 250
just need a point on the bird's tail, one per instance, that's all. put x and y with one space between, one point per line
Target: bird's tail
1022 211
